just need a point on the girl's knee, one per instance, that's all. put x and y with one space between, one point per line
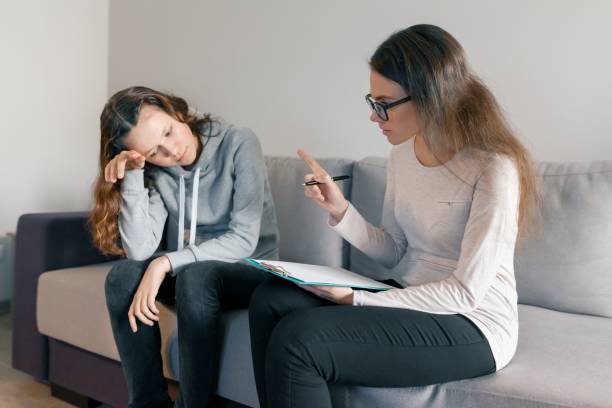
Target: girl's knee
199 284
123 280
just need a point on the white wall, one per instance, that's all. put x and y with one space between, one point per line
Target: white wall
296 71
54 81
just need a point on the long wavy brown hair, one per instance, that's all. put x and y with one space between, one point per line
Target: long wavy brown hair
457 110
119 116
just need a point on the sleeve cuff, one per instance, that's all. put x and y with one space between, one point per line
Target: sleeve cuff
360 297
341 225
133 181
179 259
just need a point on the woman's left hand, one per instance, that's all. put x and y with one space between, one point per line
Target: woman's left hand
337 294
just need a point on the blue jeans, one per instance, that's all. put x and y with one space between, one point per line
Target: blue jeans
203 291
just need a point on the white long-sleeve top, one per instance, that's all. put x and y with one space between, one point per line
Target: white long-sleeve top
458 225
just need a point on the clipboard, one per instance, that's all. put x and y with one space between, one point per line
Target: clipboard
307 274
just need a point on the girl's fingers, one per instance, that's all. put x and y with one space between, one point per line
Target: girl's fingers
144 309
111 172
143 318
138 312
140 161
106 176
152 305
132 319
121 168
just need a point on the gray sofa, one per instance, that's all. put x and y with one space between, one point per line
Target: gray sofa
564 279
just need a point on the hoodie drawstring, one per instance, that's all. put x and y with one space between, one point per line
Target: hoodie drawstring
194 209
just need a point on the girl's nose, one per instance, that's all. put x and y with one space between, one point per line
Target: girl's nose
374 117
170 148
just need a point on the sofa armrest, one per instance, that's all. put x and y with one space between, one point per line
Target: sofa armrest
45 241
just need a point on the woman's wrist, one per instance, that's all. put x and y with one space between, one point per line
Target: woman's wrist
339 215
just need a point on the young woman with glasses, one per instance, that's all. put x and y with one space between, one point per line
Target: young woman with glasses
168 173
460 189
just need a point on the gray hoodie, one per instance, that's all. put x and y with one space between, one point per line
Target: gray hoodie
233 216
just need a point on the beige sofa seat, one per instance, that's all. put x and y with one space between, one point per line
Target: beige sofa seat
71 307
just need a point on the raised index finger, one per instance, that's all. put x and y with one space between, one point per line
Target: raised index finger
312 163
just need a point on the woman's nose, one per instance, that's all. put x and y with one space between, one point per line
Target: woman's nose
374 117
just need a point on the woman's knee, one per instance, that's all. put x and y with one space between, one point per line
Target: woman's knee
291 341
274 298
262 296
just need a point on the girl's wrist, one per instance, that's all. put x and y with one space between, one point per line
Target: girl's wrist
163 263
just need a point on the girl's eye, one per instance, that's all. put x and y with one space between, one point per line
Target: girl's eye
153 154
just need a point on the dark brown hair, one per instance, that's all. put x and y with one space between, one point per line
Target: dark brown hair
119 116
456 109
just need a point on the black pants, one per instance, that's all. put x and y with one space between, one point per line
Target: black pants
203 290
301 342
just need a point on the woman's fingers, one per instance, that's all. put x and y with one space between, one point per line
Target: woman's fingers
312 163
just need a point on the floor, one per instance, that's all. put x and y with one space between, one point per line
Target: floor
16 388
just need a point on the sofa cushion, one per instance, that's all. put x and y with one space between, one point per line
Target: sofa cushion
567 264
304 235
71 307
562 360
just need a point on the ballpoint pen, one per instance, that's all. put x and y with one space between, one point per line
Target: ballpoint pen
335 178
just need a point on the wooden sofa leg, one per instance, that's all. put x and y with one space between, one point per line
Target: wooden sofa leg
72 397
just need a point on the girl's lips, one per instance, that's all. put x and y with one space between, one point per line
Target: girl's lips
183 155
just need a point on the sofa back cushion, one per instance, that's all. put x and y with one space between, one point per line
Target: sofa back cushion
565 265
304 234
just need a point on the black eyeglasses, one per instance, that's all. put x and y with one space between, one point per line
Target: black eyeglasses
381 108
